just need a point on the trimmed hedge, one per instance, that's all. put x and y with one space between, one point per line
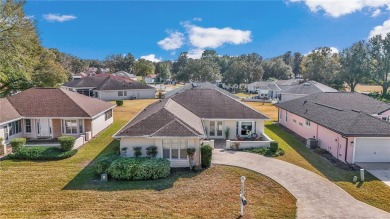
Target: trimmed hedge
274 146
17 144
42 153
67 142
119 102
104 163
140 168
206 153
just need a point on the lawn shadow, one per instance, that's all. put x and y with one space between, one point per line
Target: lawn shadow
320 163
88 179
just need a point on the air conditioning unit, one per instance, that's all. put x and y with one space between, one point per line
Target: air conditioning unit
311 142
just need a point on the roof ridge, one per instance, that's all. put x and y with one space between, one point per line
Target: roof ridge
63 91
102 83
331 107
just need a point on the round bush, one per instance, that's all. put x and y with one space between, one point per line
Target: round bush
104 163
67 142
206 153
141 168
119 102
42 153
274 146
17 144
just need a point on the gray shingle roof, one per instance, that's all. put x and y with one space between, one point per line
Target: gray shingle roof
55 102
310 87
180 115
107 83
346 113
200 85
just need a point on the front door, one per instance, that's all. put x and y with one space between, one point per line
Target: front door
43 128
216 129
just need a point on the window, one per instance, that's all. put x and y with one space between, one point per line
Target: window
175 148
120 93
108 114
70 126
14 127
246 128
294 121
212 128
286 116
301 124
81 126
307 123
219 128
125 93
28 125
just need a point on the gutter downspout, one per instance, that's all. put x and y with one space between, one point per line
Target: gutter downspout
346 149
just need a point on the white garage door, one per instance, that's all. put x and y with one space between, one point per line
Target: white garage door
372 150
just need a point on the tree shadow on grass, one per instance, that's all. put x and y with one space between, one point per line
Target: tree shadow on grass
88 179
319 163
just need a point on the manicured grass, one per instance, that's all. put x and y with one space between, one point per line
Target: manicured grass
42 153
244 94
267 109
372 191
68 188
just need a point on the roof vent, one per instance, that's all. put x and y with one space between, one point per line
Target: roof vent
305 111
304 102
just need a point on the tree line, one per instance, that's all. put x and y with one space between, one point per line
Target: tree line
24 62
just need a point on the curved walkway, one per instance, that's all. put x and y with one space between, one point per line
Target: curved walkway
316 196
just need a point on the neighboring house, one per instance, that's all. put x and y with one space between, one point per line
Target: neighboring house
199 85
124 74
48 113
304 89
271 89
186 119
79 75
107 87
153 78
351 126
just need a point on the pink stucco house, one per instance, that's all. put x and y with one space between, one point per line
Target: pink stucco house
352 127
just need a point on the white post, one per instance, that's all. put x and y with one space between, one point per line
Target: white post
362 175
242 194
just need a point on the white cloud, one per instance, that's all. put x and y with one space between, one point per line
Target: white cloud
212 37
58 17
376 13
151 57
337 8
195 53
197 19
174 41
332 49
381 29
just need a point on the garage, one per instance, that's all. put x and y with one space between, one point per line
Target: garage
372 150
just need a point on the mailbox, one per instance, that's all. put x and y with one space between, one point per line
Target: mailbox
244 201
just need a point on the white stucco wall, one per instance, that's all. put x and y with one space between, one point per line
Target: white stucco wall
144 142
99 124
137 93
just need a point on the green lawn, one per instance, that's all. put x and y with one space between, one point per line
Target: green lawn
69 188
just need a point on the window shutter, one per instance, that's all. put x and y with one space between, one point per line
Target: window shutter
236 128
254 130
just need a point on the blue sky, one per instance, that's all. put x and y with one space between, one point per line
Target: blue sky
161 29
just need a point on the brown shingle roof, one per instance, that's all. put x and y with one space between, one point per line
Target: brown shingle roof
107 82
55 102
7 111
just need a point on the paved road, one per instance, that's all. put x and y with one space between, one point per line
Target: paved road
316 196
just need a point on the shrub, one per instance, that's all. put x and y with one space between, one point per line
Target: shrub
274 146
206 153
191 151
17 144
227 133
137 151
151 151
67 142
42 153
103 163
142 168
119 102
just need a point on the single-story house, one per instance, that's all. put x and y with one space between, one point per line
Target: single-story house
304 89
200 85
189 118
153 78
271 89
351 126
48 113
108 87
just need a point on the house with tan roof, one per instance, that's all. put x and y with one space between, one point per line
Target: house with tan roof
189 118
110 87
353 127
304 89
48 113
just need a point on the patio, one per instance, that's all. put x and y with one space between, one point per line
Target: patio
264 141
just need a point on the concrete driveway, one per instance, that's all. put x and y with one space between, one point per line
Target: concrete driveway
379 170
316 196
